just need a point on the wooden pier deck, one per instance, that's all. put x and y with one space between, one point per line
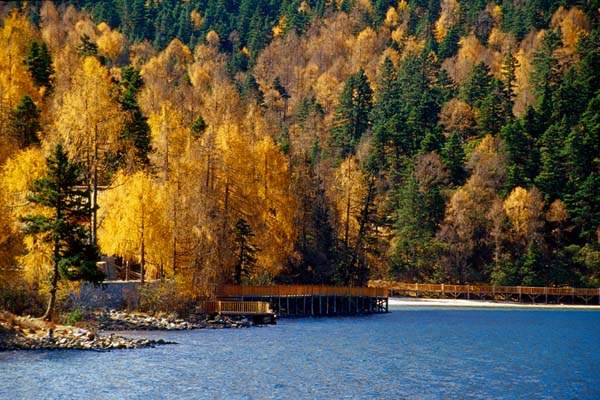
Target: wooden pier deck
259 311
309 300
529 294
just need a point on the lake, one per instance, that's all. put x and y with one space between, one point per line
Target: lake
410 353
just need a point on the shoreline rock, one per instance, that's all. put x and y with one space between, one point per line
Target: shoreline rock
114 320
19 341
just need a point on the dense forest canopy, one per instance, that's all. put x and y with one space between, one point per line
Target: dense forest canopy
311 141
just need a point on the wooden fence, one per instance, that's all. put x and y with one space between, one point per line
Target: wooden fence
235 307
490 291
299 290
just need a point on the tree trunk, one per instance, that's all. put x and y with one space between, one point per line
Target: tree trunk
94 193
52 302
142 251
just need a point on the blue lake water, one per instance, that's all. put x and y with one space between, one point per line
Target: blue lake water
410 353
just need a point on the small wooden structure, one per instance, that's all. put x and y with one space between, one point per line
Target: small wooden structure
310 300
496 293
259 311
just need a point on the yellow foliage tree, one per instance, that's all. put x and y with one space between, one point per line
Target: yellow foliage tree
524 209
111 42
16 34
17 174
133 224
348 194
89 123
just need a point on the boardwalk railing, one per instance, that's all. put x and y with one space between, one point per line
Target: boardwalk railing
311 300
491 291
299 290
235 307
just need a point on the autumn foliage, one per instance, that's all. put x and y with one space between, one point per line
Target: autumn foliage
448 142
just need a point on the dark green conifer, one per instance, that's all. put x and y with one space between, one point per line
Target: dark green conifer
551 179
351 118
245 250
39 64
476 86
136 130
65 227
24 123
453 157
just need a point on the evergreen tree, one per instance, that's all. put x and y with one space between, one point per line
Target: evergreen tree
491 116
568 100
449 45
409 261
551 179
245 250
136 130
39 64
24 123
584 206
351 118
453 157
64 225
545 75
86 47
588 50
199 126
476 86
582 158
106 11
520 149
384 114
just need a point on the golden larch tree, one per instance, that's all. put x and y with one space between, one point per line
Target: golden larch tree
89 124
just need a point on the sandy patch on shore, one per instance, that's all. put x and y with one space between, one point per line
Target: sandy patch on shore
419 302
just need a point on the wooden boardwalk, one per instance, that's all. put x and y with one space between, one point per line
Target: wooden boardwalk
497 293
310 300
259 311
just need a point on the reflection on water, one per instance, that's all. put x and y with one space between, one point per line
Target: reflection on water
410 353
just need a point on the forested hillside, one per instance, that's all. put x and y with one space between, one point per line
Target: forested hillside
311 141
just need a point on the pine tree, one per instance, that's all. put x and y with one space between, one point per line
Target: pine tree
24 123
39 64
411 233
384 114
86 47
351 118
546 74
453 157
476 86
449 45
584 206
199 126
245 250
491 116
64 225
136 130
551 179
520 150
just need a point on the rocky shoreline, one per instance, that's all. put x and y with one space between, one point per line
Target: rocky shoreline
115 320
20 341
26 333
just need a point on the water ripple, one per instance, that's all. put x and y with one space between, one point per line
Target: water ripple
407 354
